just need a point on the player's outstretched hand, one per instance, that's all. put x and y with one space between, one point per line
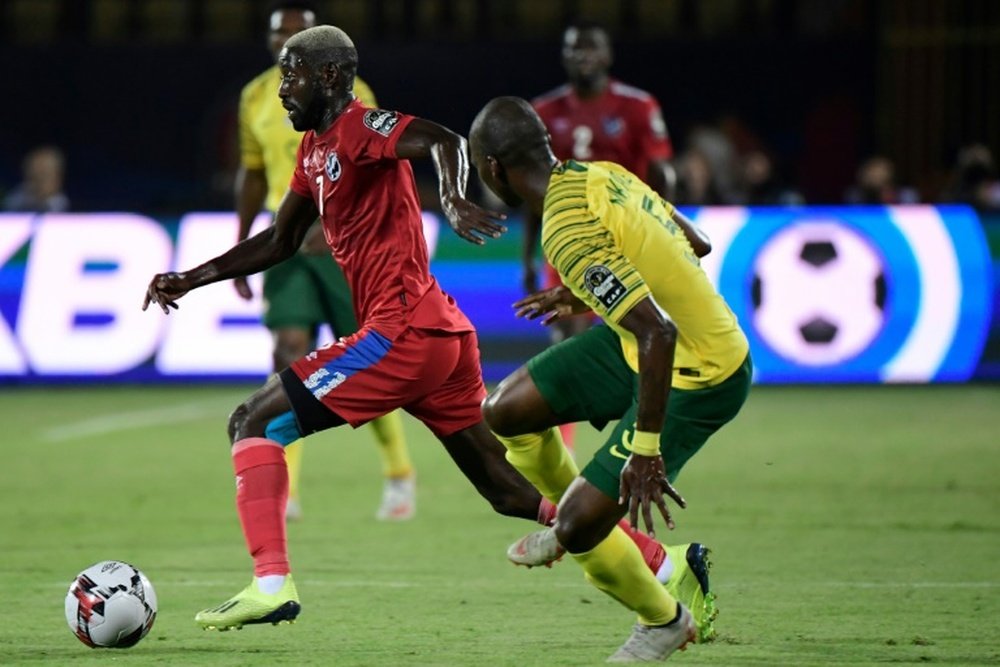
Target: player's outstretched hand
473 223
644 483
164 290
551 305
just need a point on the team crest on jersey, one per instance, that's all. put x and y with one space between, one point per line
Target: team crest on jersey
604 284
613 125
333 168
381 121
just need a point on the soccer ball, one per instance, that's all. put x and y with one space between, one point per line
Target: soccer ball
819 293
110 605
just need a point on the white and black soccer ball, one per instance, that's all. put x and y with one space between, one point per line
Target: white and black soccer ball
111 604
819 293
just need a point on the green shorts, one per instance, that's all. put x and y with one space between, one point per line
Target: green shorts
306 291
586 378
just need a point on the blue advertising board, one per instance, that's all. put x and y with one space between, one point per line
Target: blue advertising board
825 294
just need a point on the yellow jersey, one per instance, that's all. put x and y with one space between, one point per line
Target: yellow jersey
614 242
267 139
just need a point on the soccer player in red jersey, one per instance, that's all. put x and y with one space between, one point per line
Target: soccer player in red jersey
595 117
415 348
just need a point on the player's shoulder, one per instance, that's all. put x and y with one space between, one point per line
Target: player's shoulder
552 97
631 95
379 121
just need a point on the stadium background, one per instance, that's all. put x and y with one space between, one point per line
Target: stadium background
141 98
851 525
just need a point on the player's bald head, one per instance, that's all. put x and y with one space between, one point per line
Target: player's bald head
508 129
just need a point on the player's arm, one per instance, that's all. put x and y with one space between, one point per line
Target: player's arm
644 479
271 246
655 144
532 227
662 177
700 243
422 139
250 192
250 188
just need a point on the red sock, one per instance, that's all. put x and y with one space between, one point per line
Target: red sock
567 431
652 551
261 494
546 512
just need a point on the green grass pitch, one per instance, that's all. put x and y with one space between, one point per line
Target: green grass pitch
851 526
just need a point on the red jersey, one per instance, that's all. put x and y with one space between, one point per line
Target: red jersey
623 125
367 200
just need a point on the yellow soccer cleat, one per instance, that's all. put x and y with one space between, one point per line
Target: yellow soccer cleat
689 585
251 606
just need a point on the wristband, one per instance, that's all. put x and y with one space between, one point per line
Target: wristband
645 443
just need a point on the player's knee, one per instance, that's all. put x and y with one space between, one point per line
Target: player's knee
498 413
573 533
244 424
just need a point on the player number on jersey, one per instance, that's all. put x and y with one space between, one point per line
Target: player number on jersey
582 138
319 184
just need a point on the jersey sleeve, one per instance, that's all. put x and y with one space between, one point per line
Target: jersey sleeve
300 182
251 152
654 139
373 134
584 252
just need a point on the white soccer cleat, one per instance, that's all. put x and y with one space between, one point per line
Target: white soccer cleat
399 499
655 643
538 548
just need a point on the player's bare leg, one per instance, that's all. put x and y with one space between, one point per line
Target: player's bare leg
482 459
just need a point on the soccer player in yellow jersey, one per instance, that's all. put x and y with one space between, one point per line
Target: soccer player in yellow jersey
624 253
309 289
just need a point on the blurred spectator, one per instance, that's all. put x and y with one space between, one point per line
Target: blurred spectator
761 185
876 184
41 191
974 179
716 149
696 181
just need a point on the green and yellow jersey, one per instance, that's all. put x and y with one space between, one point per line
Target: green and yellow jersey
267 139
614 242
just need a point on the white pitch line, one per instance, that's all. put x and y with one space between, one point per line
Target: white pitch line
124 421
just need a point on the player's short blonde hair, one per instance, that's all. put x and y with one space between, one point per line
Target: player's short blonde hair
324 44
320 38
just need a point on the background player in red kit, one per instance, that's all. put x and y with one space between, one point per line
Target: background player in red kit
415 348
595 117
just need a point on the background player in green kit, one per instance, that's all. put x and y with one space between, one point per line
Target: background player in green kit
621 252
308 289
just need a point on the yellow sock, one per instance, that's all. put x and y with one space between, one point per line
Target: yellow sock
293 459
616 567
392 447
543 460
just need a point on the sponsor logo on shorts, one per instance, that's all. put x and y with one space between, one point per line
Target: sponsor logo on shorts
313 380
381 121
604 285
336 379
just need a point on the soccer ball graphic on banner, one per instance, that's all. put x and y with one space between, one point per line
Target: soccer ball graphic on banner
110 605
819 291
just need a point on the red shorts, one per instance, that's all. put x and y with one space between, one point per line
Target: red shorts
433 375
